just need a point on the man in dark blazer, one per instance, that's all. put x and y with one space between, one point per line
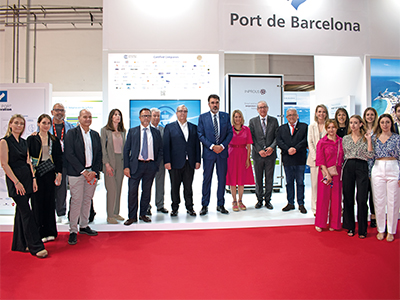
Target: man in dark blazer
215 133
142 156
263 129
84 161
182 155
397 121
292 140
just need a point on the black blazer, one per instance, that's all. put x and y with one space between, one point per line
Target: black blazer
298 140
262 141
176 148
35 145
74 151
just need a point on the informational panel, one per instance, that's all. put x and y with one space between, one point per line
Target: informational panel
30 100
167 110
149 76
245 91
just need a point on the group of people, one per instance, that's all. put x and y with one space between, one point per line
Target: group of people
352 153
40 167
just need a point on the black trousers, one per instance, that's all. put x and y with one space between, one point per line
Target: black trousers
185 176
355 174
43 205
371 199
26 233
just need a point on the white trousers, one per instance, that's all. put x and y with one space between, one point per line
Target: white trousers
386 192
314 188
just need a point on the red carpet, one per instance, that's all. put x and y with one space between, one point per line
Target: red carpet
260 263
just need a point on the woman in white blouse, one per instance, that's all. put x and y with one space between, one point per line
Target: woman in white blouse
316 131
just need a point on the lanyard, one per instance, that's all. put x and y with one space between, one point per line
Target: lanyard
62 131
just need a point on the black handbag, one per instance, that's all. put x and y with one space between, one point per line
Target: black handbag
45 166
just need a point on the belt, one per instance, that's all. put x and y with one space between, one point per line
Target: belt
145 161
238 146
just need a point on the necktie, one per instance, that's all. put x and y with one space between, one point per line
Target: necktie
145 146
264 126
292 125
216 130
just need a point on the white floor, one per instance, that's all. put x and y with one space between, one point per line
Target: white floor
213 220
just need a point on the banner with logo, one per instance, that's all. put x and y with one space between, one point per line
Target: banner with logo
30 100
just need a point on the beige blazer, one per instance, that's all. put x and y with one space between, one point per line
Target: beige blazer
313 138
107 147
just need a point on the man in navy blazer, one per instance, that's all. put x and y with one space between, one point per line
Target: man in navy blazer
215 133
182 155
292 140
84 161
142 156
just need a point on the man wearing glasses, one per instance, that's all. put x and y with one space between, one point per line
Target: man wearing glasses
142 157
59 128
182 156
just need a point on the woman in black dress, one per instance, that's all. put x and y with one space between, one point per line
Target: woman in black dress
21 185
342 118
42 147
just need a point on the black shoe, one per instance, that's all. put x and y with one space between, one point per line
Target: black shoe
88 231
148 212
174 213
302 209
204 211
288 207
72 238
373 223
222 210
163 210
268 205
191 213
92 212
145 219
258 204
130 221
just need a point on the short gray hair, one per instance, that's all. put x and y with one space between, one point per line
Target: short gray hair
181 106
292 109
155 109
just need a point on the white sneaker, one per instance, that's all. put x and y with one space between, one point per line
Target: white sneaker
50 238
44 240
62 220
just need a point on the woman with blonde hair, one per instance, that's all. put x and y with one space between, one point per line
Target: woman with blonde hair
316 131
357 148
385 177
113 137
21 184
240 171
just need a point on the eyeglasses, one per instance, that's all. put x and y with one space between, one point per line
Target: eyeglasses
291 115
145 116
262 107
59 110
182 111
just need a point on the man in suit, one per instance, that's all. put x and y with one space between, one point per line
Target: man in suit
160 176
142 156
263 128
215 133
84 162
292 140
397 113
182 156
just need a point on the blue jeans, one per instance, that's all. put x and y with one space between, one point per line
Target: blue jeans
295 173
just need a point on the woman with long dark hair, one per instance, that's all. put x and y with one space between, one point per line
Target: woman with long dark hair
342 119
112 142
385 177
20 185
46 154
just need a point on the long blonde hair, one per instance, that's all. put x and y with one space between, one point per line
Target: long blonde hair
13 117
363 131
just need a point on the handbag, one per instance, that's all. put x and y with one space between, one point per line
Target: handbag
45 166
333 170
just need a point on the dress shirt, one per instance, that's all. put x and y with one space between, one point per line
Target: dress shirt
150 151
219 128
87 140
266 118
290 127
185 130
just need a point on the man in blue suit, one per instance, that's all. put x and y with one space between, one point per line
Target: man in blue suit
215 133
182 155
142 156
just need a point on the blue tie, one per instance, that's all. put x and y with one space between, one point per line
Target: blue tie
216 130
145 146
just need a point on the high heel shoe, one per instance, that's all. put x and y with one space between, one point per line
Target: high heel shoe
390 237
241 205
319 229
380 236
373 223
350 233
42 253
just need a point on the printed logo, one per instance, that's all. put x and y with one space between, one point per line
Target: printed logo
3 96
296 3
